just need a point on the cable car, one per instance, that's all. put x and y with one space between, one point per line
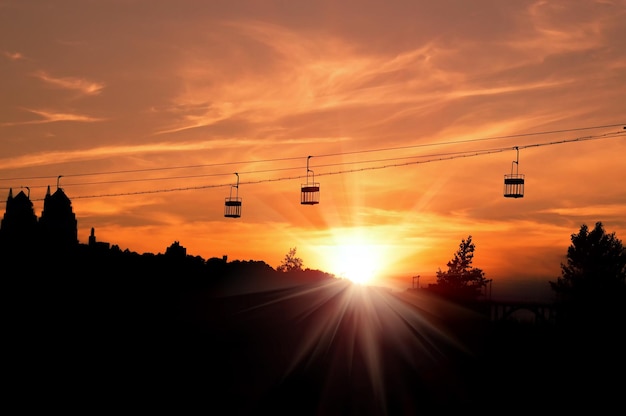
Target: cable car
232 205
514 182
310 191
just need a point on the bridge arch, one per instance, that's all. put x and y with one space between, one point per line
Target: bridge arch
538 313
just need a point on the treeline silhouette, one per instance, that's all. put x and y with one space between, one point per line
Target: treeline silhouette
98 328
93 328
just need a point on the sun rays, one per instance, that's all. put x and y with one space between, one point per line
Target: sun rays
357 336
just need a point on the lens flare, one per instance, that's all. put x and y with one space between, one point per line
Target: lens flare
353 341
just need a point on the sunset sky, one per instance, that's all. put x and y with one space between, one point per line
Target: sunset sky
145 111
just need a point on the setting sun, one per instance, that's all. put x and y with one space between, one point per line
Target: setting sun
359 263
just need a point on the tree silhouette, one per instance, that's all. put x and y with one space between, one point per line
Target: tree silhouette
594 277
290 263
461 281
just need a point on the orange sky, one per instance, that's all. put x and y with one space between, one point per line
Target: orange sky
148 108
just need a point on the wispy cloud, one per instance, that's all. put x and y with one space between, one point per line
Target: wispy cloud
53 117
42 159
13 56
70 83
588 210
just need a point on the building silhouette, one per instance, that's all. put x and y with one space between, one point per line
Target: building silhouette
58 225
18 229
21 230
55 232
93 243
176 250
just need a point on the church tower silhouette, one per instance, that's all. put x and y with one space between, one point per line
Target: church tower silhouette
20 230
58 224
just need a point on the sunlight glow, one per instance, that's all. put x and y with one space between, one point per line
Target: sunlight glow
357 262
364 255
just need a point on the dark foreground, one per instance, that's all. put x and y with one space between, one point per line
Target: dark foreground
320 348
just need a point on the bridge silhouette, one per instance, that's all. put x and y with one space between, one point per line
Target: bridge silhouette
537 312
502 310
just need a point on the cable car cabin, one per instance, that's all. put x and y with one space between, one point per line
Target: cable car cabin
232 207
310 193
311 189
514 185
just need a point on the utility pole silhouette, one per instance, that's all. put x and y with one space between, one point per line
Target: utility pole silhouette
418 281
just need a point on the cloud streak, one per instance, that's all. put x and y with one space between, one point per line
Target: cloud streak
53 117
70 83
